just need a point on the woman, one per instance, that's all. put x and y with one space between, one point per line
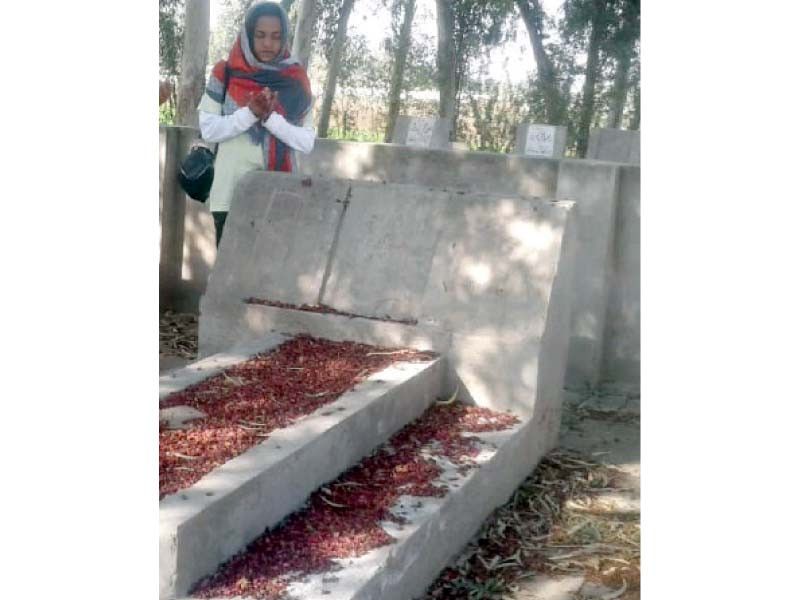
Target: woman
268 97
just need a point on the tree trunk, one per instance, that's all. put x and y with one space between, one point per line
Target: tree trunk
399 68
619 91
304 31
445 60
637 108
531 12
334 66
193 63
624 50
587 108
287 5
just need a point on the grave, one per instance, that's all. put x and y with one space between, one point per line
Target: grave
615 145
483 281
541 141
422 132
210 520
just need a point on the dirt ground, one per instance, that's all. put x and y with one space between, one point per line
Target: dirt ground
177 340
602 523
571 531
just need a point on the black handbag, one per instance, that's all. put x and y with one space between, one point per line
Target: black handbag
196 173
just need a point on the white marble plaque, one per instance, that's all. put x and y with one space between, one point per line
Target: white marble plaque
540 141
420 132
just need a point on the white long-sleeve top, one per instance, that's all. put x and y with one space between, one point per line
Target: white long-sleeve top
237 154
218 128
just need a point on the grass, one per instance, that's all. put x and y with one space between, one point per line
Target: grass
335 133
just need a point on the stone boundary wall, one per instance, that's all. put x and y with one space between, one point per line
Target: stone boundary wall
605 330
187 246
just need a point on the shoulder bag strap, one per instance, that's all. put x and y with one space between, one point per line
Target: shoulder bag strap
224 94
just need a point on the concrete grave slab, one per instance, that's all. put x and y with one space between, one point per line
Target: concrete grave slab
482 278
477 266
436 528
615 145
201 370
207 523
387 241
289 263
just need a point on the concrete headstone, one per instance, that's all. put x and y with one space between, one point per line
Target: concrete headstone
542 141
422 132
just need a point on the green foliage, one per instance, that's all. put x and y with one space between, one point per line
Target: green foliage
166 114
230 23
420 70
421 64
362 75
479 24
496 109
327 23
489 110
170 37
336 133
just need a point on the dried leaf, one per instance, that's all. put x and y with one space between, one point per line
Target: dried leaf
184 456
333 504
616 594
451 399
237 381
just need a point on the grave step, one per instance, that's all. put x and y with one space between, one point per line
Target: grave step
434 530
207 523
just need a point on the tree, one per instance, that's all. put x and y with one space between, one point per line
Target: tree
304 31
532 15
230 21
170 37
334 63
399 63
594 16
637 96
622 46
464 27
498 107
445 59
193 62
363 79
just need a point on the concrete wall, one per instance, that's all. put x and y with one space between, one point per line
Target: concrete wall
608 253
451 169
187 247
621 355
594 187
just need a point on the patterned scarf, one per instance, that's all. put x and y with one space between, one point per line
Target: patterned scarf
248 76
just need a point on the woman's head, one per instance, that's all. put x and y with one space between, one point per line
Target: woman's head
267 29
